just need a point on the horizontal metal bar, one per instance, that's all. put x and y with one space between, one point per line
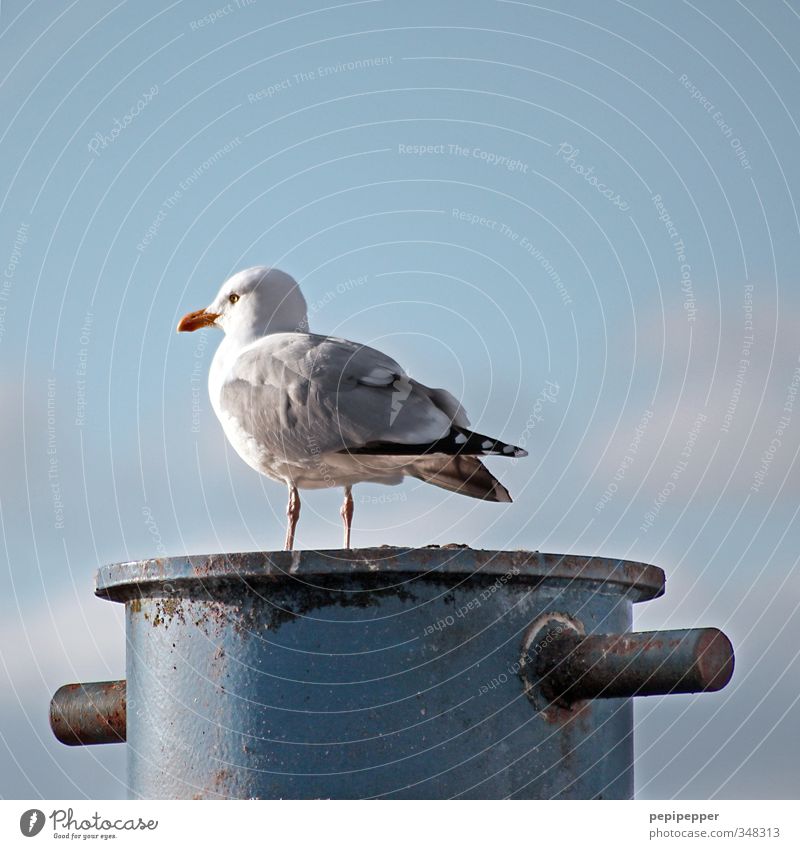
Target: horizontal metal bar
651 663
89 714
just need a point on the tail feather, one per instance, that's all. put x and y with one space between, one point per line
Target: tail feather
460 473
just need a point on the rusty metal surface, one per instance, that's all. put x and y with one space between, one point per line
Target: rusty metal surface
89 714
121 581
572 667
384 673
379 673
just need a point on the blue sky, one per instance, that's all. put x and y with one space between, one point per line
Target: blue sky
581 218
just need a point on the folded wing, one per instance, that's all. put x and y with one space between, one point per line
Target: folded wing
308 392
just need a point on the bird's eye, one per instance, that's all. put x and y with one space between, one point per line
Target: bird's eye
233 298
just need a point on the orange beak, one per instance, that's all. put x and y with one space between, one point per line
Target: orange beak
195 320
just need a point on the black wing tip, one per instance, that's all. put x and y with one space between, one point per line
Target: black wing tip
485 446
458 441
511 451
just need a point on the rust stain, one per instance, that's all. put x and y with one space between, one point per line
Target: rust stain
84 714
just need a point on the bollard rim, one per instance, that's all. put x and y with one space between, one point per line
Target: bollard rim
132 579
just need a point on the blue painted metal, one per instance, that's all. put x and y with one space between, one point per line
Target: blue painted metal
374 673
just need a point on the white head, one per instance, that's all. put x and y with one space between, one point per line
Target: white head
252 303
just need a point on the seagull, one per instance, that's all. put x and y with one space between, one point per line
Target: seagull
316 411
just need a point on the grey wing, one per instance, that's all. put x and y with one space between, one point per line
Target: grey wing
300 394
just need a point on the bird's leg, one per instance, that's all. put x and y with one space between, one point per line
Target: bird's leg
346 513
293 512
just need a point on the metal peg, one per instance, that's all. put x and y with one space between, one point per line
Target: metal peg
571 666
88 714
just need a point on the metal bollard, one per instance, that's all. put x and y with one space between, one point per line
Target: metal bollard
89 714
384 673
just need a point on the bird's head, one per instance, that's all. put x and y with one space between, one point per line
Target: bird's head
252 303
